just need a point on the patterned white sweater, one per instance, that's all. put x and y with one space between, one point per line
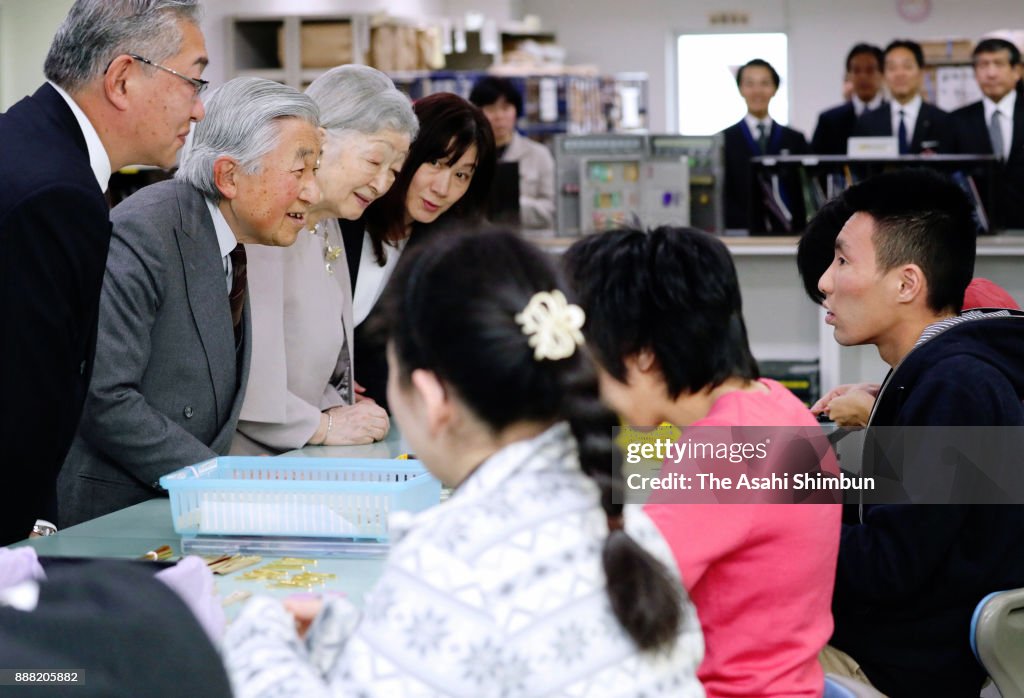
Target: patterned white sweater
498 592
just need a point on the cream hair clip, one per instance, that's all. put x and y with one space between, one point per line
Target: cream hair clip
552 325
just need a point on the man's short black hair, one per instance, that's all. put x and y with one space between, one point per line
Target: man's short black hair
912 46
490 89
817 247
672 291
866 49
758 63
921 218
995 46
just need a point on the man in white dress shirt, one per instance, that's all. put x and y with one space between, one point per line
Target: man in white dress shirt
864 75
919 127
995 125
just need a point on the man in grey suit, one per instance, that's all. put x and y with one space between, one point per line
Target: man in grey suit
174 340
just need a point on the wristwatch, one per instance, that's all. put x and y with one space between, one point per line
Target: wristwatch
43 528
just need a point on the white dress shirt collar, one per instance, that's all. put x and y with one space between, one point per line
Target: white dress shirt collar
860 106
99 160
225 238
910 112
1005 107
753 121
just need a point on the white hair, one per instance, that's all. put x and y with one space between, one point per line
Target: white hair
242 121
362 99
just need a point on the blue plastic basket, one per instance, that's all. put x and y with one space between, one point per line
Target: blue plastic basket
319 497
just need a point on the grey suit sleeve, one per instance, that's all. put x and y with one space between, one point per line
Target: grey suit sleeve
118 421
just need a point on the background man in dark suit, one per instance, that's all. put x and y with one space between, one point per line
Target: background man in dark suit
758 134
123 87
174 340
995 125
835 125
919 126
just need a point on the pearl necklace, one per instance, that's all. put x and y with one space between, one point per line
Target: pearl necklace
331 253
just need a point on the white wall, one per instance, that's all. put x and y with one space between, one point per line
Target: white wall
26 30
27 27
638 35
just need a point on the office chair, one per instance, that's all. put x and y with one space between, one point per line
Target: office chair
997 640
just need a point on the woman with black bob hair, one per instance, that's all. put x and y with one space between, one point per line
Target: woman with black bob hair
444 183
530 580
665 320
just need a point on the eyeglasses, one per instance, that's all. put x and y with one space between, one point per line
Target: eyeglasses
198 84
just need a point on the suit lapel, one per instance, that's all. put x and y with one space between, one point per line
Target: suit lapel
748 137
1017 140
922 127
775 139
222 441
53 105
883 119
848 118
977 139
207 293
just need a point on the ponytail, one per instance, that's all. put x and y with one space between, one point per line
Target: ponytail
457 305
645 598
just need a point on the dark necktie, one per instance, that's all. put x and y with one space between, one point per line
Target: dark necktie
762 138
995 135
236 297
902 135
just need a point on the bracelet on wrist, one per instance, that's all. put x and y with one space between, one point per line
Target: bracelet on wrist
330 423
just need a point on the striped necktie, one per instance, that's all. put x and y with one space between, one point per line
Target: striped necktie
762 138
995 135
902 135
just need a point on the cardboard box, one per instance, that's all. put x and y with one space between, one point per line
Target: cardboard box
395 48
322 44
947 50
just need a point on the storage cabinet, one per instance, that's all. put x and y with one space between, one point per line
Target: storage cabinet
295 49
787 190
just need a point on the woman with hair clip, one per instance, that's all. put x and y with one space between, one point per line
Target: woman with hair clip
665 322
301 389
444 183
530 580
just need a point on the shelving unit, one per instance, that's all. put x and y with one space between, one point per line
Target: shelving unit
702 156
798 184
568 101
296 49
949 73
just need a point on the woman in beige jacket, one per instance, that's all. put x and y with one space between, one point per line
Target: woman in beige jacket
301 389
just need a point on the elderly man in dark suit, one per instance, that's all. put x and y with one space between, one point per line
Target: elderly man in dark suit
174 336
918 126
835 125
123 87
995 125
758 134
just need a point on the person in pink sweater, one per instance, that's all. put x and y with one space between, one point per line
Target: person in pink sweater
664 321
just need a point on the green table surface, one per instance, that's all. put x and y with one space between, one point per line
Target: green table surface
133 531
